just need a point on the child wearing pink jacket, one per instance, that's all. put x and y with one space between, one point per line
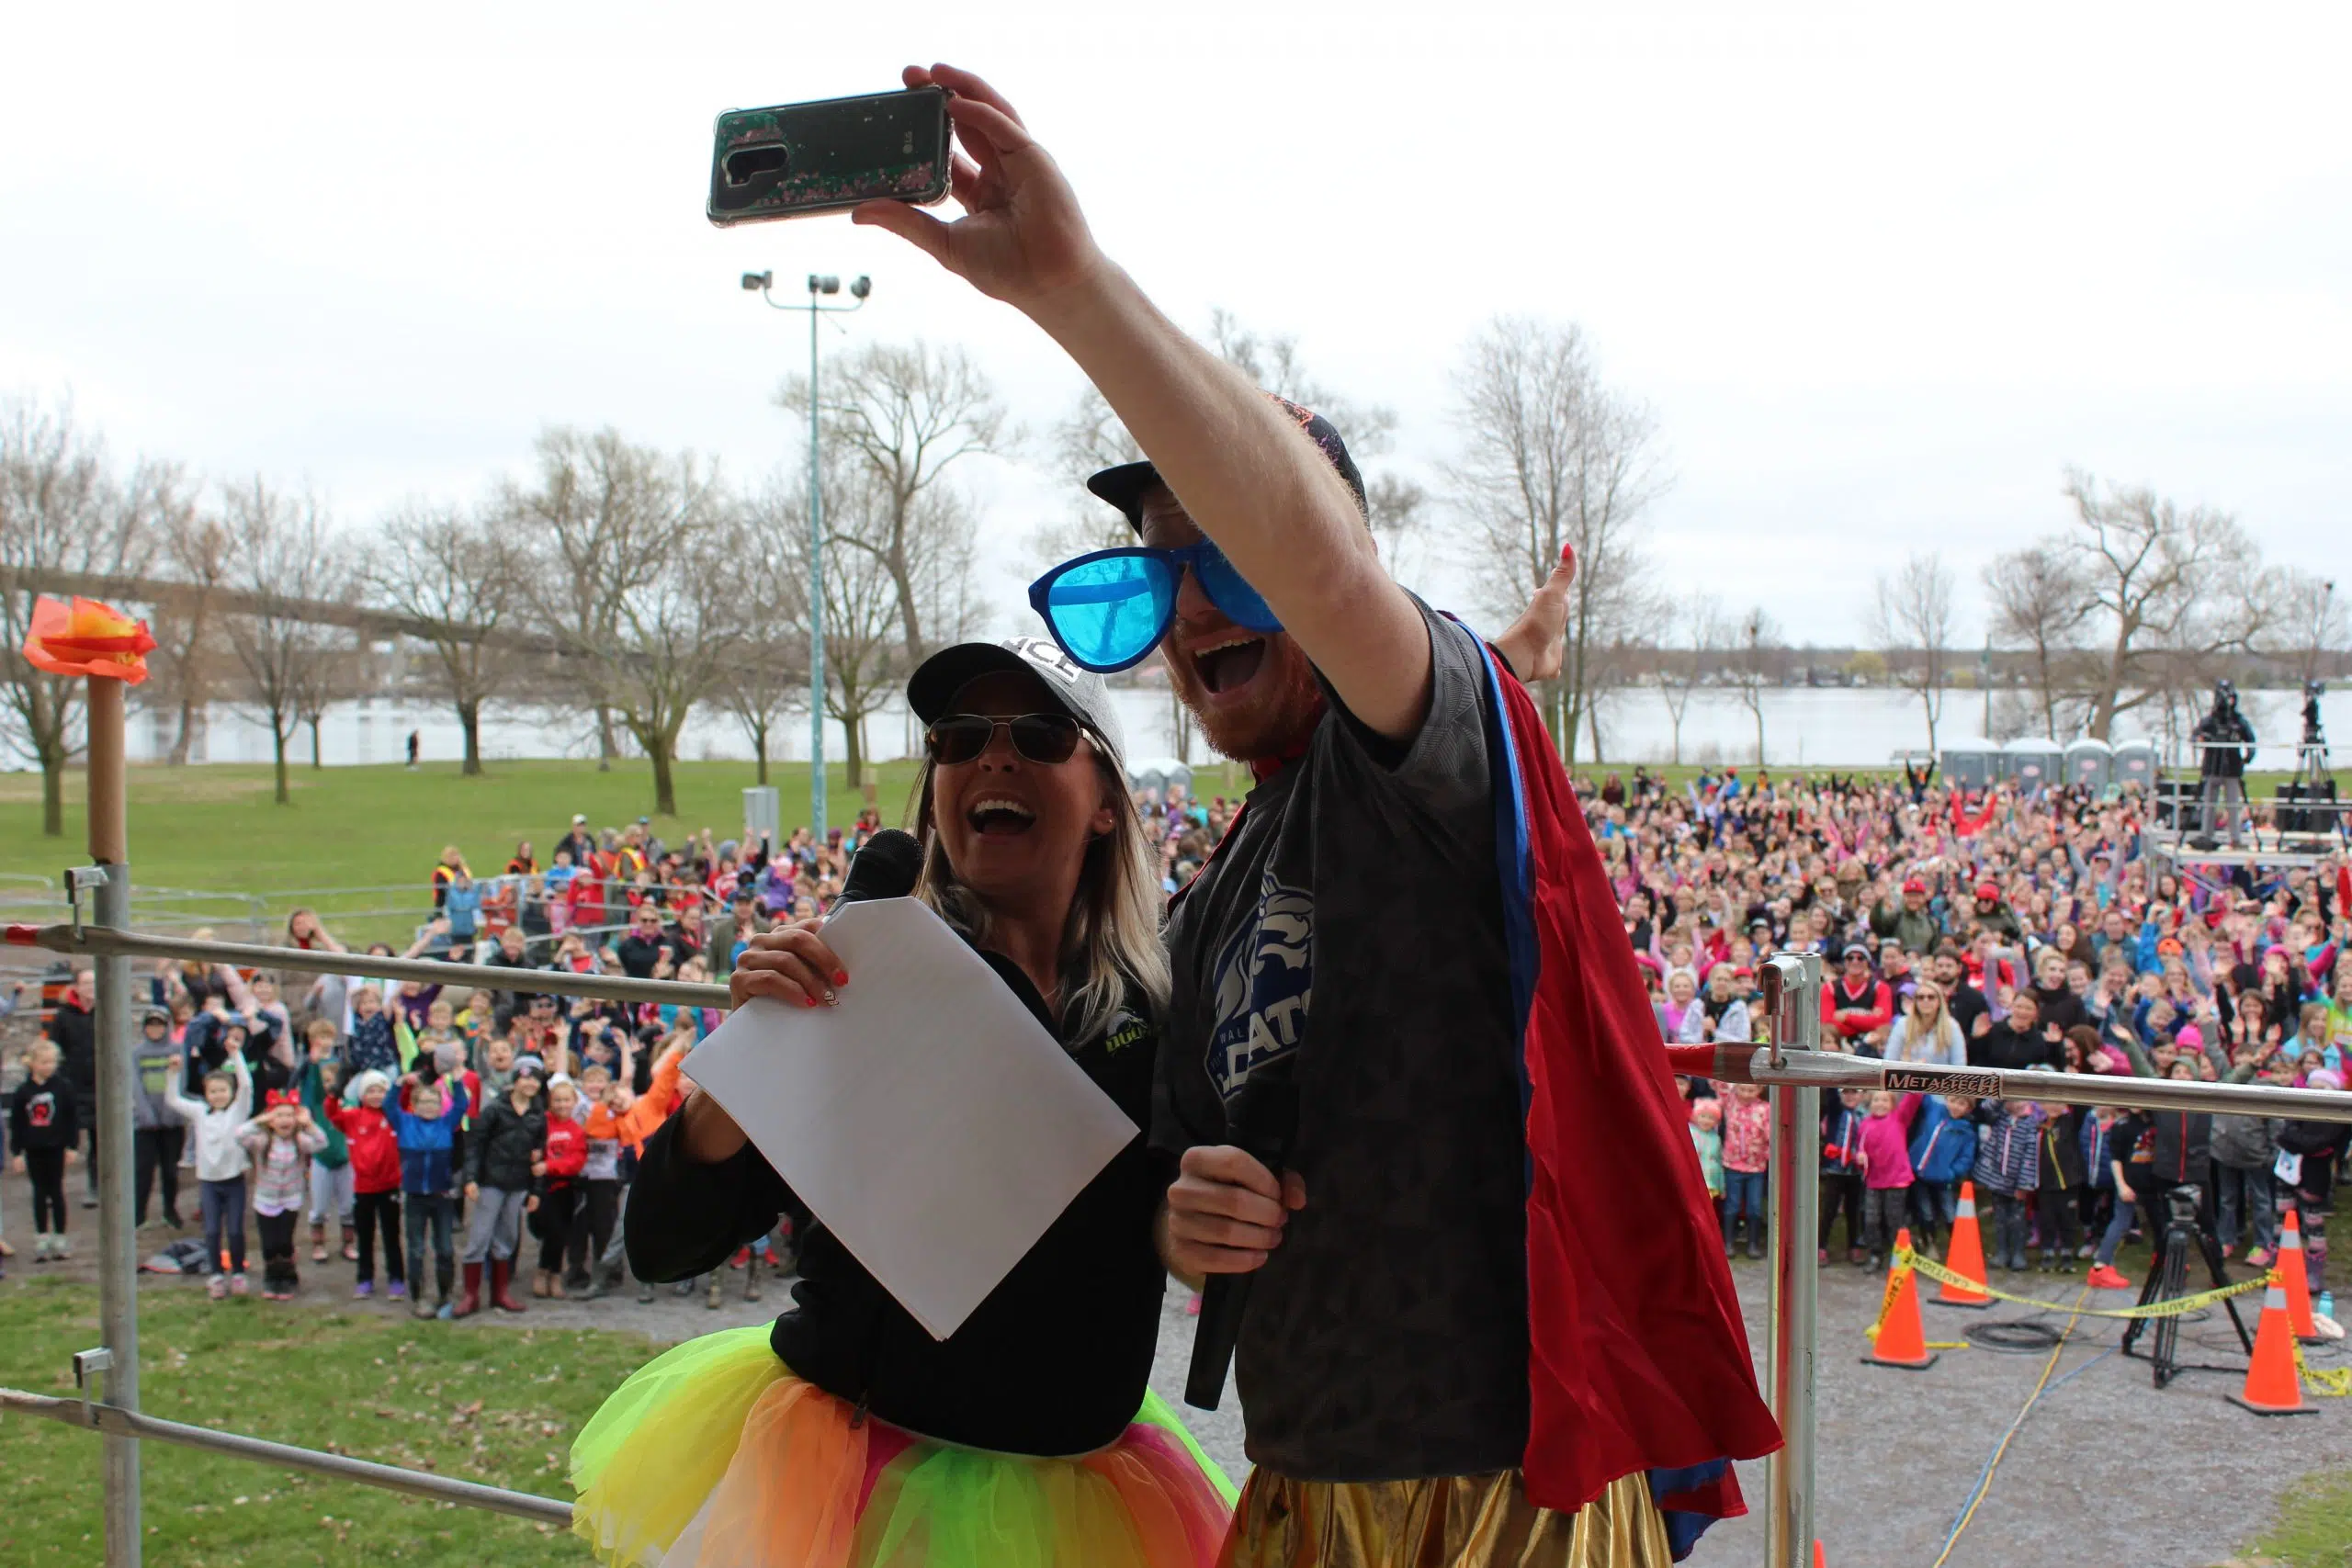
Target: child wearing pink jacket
1886 1170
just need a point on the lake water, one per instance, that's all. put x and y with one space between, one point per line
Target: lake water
1821 727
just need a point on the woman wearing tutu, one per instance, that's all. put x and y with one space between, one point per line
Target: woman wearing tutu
844 1435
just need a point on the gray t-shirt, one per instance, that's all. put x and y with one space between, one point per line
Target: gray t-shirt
1353 916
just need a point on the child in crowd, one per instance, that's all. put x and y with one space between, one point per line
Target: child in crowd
156 1134
1748 1155
503 1159
1706 1136
220 1164
1842 1171
2308 1154
563 1155
1943 1155
330 1195
373 1048
279 1144
2129 1162
496 1074
2009 1168
1886 1159
43 1129
601 1101
424 1127
374 1181
2057 1210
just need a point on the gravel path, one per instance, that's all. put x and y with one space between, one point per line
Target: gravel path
1898 1451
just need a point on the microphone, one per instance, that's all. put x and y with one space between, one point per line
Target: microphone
884 867
1262 1120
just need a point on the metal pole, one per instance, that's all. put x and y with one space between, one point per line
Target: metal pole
1795 1211
553 982
815 594
120 1425
112 1148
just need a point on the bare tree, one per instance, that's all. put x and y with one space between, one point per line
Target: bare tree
767 677
193 548
2039 599
2310 624
904 415
288 565
1755 654
1696 626
62 516
1911 622
1552 458
603 521
2168 590
458 578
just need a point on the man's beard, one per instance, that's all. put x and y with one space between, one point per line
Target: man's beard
1273 726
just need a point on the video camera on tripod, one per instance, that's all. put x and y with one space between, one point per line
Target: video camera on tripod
2307 805
2184 1228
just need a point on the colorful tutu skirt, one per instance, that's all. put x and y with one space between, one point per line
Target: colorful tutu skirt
714 1455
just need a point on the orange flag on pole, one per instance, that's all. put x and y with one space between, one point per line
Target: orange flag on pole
88 638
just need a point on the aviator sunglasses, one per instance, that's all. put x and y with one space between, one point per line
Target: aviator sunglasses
1047 738
1109 609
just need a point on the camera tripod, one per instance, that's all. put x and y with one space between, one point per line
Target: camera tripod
2168 1281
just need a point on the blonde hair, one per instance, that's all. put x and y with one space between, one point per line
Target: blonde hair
1111 940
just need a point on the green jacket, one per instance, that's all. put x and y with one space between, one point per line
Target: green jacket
313 1090
1915 928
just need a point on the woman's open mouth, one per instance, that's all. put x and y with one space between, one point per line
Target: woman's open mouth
997 817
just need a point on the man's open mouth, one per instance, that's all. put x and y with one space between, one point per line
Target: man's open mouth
1000 818
1230 664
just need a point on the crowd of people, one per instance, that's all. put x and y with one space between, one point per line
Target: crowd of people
399 1120
2003 928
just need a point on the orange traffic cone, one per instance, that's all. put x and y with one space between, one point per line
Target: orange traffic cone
1902 1337
1964 1256
2291 1275
2272 1387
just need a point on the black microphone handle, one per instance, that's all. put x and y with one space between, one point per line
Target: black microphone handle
1265 1115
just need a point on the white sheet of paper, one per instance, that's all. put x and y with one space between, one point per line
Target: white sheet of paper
928 1119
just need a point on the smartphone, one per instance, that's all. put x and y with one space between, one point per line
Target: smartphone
792 160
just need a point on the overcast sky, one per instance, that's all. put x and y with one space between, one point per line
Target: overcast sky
1883 273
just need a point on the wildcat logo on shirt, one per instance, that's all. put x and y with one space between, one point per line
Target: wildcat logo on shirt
1265 979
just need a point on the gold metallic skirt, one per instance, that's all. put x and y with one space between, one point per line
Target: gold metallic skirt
1456 1521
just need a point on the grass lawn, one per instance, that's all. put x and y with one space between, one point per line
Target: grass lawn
499 1407
2314 1525
214 827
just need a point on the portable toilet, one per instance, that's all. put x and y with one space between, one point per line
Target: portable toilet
2090 763
1971 764
2135 763
2034 763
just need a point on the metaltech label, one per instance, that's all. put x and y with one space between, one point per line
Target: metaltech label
1985 1085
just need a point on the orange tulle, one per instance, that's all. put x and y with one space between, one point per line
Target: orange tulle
715 1456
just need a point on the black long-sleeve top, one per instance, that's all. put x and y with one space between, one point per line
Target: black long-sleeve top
1054 1361
44 1116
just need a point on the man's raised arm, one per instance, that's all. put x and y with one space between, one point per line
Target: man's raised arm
1235 460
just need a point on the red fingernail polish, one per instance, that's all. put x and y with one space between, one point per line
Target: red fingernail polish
841 977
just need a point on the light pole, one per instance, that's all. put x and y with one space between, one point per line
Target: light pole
763 284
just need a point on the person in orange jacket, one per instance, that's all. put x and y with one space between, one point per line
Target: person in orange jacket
615 1116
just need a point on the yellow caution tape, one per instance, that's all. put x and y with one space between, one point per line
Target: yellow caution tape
2173 1308
1894 1277
2335 1382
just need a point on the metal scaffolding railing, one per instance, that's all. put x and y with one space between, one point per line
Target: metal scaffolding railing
1794 1069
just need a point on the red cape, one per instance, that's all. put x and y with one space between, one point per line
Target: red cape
1638 1354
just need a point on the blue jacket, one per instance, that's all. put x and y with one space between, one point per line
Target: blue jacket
1841 1140
2100 1147
1944 1147
2009 1151
426 1163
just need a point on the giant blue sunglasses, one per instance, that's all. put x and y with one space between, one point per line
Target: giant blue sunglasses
1108 610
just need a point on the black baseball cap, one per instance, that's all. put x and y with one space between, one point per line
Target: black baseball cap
1122 486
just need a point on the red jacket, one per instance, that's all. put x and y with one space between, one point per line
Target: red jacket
374 1151
567 1148
1877 1005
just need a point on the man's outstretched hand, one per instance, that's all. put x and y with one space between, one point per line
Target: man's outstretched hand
1021 238
1535 642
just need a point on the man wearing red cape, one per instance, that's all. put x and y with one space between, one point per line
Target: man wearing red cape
1489 1321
